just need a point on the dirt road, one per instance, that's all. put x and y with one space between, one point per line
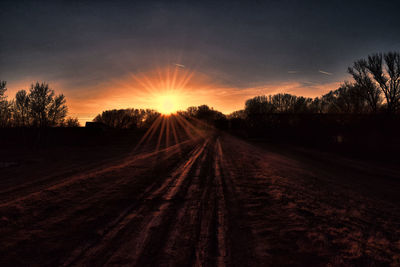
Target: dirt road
212 201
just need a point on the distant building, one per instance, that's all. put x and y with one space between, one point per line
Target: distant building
96 125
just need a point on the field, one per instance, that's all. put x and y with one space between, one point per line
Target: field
209 200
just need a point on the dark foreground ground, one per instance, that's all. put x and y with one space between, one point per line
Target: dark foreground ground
210 201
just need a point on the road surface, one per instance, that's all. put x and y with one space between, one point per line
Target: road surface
212 201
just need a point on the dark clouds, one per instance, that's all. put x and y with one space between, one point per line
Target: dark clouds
242 44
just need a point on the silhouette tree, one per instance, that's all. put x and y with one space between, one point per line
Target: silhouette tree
239 114
5 106
21 109
346 99
46 110
283 103
302 104
57 110
367 88
72 122
257 109
259 105
3 89
317 105
206 114
191 111
122 118
379 72
211 116
127 118
278 103
147 117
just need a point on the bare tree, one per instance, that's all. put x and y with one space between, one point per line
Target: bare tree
317 105
127 118
259 105
21 108
346 99
5 106
239 114
3 89
302 104
72 122
46 110
380 72
57 110
367 88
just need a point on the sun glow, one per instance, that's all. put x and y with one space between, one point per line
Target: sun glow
166 89
168 103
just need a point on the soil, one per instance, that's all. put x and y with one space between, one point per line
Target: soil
213 200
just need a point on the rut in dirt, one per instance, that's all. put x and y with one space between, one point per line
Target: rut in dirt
182 221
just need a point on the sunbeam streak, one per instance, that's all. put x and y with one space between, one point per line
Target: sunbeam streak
168 128
149 133
167 90
161 133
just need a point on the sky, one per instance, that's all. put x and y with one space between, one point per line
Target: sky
124 54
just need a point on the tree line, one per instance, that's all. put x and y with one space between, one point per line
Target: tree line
127 118
144 118
375 89
40 107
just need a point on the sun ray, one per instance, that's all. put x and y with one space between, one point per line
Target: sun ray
190 135
155 129
167 92
175 134
190 125
168 84
167 132
149 133
165 89
174 77
204 124
160 134
185 80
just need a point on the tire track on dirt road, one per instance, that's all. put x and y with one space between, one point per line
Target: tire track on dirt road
192 238
211 248
162 210
136 218
126 215
196 228
238 241
78 202
221 207
52 182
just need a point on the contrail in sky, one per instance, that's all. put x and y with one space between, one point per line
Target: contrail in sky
179 65
325 72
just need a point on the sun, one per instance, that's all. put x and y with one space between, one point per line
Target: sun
168 103
166 90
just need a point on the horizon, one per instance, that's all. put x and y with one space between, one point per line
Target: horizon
148 97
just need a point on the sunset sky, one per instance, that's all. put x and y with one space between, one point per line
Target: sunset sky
120 54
